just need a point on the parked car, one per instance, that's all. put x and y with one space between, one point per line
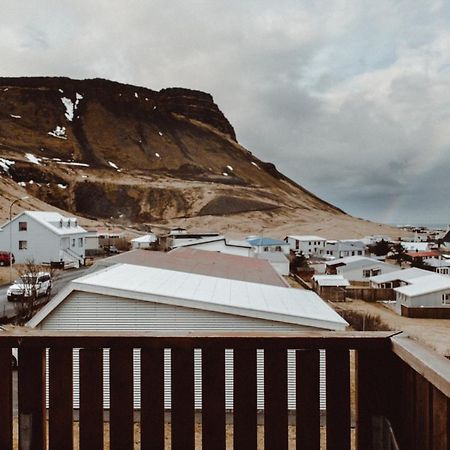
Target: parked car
111 249
6 258
31 285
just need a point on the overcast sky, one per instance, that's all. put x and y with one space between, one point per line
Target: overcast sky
350 98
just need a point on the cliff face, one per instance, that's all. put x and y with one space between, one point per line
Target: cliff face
103 149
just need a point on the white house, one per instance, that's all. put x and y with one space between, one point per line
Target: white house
144 241
441 266
129 297
358 268
265 244
415 246
343 248
397 278
308 245
44 237
426 296
218 244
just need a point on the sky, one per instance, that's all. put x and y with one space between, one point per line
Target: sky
349 98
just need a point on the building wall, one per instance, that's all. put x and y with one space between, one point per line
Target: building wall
357 273
432 300
42 244
86 311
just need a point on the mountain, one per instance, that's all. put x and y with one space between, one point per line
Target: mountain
110 151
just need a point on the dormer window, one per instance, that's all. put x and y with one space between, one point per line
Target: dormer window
23 226
60 223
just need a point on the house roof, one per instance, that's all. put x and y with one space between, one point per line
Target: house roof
188 259
435 262
275 257
144 239
265 241
306 237
425 285
53 221
420 254
331 280
227 242
352 260
402 275
262 301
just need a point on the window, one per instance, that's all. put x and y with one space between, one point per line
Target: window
366 273
23 245
297 245
80 242
446 299
73 242
376 272
22 226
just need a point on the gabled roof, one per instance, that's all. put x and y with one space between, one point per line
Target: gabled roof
53 221
425 285
192 260
435 262
401 275
227 242
357 259
281 304
424 254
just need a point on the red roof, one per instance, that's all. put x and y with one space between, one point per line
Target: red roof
423 254
203 262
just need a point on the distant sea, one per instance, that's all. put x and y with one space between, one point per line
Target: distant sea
432 226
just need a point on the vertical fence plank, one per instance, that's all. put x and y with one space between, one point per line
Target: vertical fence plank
213 398
6 398
440 421
121 398
60 421
408 410
183 418
308 400
91 399
338 399
423 412
152 398
275 400
244 398
31 395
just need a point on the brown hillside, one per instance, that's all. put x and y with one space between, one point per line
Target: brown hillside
110 151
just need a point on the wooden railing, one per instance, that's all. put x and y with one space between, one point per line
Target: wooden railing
397 381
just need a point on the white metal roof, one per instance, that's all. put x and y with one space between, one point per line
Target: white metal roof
227 296
143 239
402 275
425 285
55 222
331 280
352 260
435 262
306 237
207 240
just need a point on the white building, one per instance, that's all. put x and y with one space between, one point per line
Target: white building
218 244
429 291
441 266
343 248
266 244
44 237
416 246
144 242
277 260
136 298
397 278
308 245
359 268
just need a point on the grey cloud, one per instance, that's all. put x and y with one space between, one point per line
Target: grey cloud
349 98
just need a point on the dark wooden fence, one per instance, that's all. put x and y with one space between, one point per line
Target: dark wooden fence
397 381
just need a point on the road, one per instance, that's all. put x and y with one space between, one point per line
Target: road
61 280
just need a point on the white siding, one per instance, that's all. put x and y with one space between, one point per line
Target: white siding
86 311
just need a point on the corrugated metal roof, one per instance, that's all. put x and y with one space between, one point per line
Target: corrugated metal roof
242 298
306 237
265 241
187 259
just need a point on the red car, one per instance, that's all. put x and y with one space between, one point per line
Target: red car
6 258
